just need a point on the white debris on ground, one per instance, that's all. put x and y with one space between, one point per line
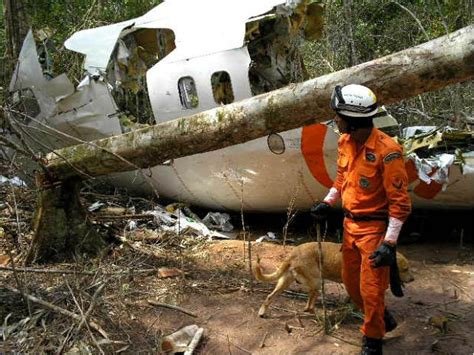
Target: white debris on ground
468 169
15 181
179 223
184 340
269 237
95 206
218 221
176 219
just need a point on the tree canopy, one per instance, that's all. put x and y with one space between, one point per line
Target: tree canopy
355 32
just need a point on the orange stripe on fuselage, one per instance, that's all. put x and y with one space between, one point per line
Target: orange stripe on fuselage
312 146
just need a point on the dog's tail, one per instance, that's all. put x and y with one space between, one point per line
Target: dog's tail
274 275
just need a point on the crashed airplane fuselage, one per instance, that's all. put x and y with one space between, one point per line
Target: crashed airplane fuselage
186 63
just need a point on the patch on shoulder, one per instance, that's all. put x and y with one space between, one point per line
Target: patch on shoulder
391 157
370 157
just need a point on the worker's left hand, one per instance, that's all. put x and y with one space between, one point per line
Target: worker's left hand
395 281
385 255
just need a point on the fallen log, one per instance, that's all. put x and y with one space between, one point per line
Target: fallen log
427 67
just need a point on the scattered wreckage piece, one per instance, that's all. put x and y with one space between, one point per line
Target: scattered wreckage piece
184 340
435 151
439 139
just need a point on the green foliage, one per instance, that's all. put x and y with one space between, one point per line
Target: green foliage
3 80
379 27
383 27
2 30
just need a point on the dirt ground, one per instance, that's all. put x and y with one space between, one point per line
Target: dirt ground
435 316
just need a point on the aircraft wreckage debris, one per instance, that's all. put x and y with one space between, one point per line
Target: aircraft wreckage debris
118 55
395 77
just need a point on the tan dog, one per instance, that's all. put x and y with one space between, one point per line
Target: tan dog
302 265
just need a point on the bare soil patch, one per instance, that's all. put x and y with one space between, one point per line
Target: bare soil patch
443 290
435 316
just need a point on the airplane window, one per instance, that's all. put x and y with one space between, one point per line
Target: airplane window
222 88
188 93
276 143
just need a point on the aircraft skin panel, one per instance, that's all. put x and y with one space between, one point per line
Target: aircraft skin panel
163 78
221 23
459 192
270 181
28 72
97 44
88 114
214 179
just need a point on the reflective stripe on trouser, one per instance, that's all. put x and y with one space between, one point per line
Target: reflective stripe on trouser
366 286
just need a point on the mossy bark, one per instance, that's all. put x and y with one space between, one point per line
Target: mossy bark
430 66
62 230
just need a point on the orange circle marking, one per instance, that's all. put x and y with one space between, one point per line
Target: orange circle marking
312 146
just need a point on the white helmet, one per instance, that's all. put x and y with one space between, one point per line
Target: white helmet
354 101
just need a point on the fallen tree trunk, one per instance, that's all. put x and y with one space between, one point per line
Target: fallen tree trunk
427 67
61 226
430 66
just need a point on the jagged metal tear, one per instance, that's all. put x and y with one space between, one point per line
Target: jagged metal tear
200 27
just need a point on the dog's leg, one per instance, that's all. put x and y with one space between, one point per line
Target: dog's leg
283 282
313 293
312 296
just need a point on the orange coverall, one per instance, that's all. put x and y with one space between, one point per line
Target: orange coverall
372 182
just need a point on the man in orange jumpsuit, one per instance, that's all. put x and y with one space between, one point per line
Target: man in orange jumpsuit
372 182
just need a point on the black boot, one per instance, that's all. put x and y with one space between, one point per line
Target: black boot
390 322
371 346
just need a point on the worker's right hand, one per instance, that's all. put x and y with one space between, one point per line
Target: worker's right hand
320 210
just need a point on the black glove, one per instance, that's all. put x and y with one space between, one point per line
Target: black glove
385 255
320 210
395 281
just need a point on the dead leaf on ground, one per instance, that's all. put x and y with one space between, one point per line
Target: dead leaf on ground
4 260
165 272
439 322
